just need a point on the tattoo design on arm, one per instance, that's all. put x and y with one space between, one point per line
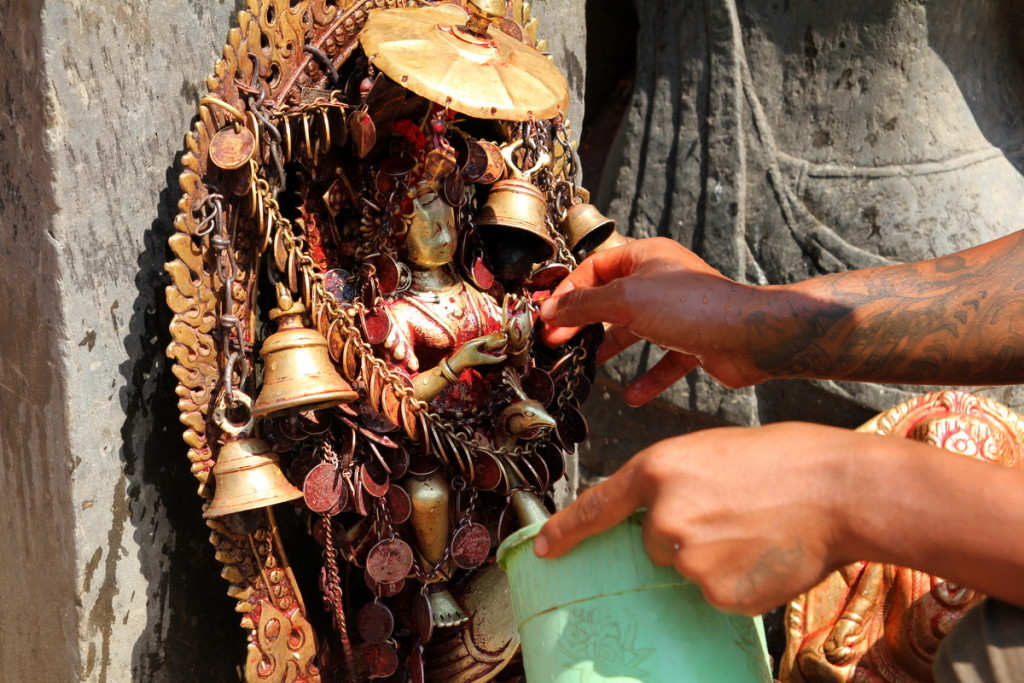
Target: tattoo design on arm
958 319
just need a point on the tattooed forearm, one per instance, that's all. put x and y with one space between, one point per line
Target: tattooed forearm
958 319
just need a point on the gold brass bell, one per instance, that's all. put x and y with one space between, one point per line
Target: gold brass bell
246 475
514 227
298 372
585 228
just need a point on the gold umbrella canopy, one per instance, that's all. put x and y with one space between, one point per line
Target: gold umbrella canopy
475 71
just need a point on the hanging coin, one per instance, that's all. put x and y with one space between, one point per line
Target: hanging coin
335 340
481 275
384 590
461 148
386 270
471 545
376 623
375 479
554 461
280 252
414 664
273 436
397 165
323 487
422 617
239 181
581 392
359 498
539 386
454 189
546 278
376 325
476 161
399 504
422 465
391 405
377 425
510 27
344 443
572 426
398 461
318 530
531 475
540 468
289 428
350 360
313 423
486 471
410 419
507 522
389 560
232 147
494 167
338 282
380 660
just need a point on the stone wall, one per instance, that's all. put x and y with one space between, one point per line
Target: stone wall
112 577
782 140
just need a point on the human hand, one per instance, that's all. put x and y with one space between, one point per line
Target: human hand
486 350
658 290
752 515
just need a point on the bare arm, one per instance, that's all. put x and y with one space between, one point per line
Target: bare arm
951 320
756 516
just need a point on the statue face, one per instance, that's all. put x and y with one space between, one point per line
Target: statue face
430 242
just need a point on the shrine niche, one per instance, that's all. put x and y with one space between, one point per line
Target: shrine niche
376 196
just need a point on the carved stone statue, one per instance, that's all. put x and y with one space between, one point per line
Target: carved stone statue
786 139
781 140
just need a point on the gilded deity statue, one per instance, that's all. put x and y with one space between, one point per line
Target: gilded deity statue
376 194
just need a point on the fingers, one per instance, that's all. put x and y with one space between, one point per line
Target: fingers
596 510
566 313
660 547
672 367
579 299
495 340
616 340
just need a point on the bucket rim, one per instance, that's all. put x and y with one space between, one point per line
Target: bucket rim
516 539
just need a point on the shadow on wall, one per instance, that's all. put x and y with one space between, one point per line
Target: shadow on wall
192 631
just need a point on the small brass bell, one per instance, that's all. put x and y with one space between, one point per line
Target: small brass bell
585 228
514 228
246 475
298 372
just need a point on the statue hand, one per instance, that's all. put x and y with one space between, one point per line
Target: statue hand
486 350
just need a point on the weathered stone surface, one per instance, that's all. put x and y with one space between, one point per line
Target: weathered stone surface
99 507
781 140
112 577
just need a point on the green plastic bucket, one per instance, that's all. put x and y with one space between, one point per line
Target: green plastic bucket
605 612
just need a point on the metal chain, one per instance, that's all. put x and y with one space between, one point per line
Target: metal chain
333 594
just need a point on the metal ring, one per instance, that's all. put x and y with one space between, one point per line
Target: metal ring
220 417
210 99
